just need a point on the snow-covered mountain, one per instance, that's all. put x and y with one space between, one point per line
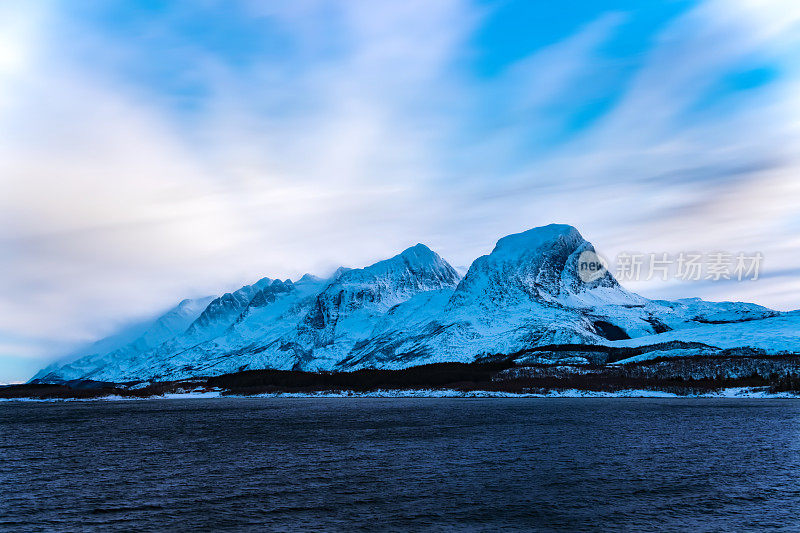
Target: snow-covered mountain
140 338
413 309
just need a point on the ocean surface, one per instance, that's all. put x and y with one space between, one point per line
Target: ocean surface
349 464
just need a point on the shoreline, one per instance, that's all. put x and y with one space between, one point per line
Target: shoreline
728 393
699 377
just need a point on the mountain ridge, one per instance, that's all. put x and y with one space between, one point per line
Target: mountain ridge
411 309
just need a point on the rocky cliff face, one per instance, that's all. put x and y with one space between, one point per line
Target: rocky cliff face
223 310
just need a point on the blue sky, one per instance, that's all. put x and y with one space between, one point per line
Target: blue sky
151 151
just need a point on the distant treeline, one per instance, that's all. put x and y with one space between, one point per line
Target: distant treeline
438 375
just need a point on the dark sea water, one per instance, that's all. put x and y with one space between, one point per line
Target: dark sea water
401 464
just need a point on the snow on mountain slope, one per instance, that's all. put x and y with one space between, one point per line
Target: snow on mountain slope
262 336
221 312
201 320
348 308
538 265
163 328
313 323
688 310
213 321
171 323
777 334
318 330
414 309
526 292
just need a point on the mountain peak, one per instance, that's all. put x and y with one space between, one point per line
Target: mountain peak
338 272
536 238
540 263
309 278
417 261
417 248
378 287
420 254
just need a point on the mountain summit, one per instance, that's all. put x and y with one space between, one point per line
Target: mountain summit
539 264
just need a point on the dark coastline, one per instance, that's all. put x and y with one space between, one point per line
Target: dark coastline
683 376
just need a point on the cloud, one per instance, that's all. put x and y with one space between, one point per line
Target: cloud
114 206
657 174
355 129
